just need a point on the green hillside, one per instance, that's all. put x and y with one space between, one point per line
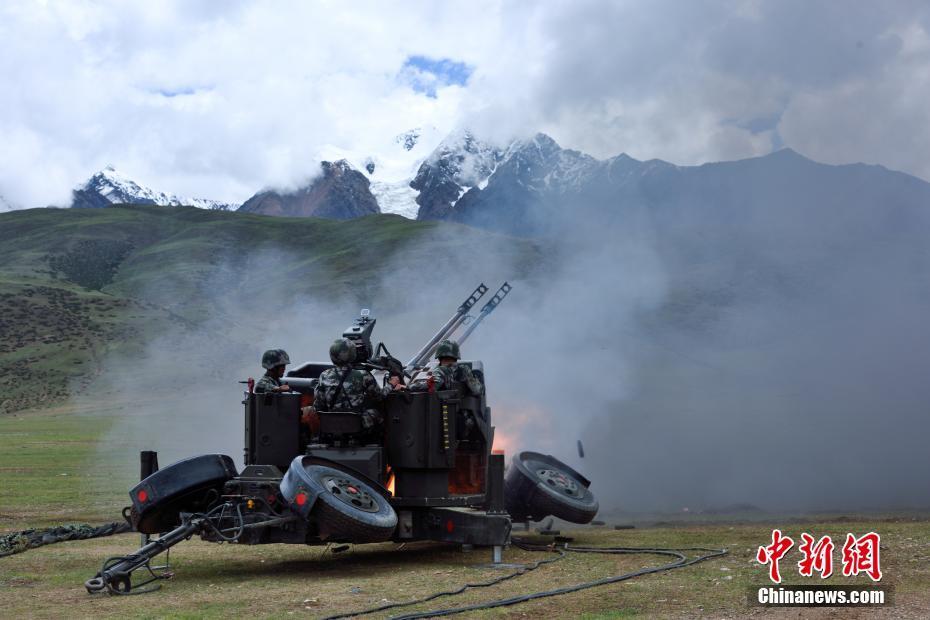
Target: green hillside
76 285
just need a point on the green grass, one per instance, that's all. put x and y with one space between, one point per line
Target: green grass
49 472
280 581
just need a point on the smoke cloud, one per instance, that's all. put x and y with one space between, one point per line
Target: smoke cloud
790 379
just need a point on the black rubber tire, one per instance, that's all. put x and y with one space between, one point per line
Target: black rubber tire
191 485
563 493
341 521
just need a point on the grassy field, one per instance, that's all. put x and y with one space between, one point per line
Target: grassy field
49 475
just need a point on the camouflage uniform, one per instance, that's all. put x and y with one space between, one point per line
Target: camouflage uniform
452 377
457 377
360 393
267 384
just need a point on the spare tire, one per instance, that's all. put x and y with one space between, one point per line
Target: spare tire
346 507
191 485
539 485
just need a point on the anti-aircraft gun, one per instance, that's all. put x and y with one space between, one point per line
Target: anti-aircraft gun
430 475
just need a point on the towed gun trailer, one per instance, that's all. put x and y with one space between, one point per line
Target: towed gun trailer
431 476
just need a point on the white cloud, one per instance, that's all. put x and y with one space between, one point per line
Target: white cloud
884 119
259 90
219 100
696 82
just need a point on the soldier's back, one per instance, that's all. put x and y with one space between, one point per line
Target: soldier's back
466 380
343 389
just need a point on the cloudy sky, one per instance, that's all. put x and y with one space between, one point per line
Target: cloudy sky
219 99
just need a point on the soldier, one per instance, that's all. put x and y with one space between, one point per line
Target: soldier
345 388
449 375
273 361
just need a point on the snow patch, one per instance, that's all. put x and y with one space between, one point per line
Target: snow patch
398 198
391 161
391 166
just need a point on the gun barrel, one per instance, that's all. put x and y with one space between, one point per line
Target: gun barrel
448 334
451 325
488 308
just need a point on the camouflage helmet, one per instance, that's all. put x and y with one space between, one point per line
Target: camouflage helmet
342 352
448 348
275 357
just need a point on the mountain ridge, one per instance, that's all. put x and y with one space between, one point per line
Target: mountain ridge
108 187
539 186
458 177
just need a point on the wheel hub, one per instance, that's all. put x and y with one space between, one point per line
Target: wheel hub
558 481
349 493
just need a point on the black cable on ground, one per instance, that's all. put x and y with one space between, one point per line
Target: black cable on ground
481 584
681 562
17 542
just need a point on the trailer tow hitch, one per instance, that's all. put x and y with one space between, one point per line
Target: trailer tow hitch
115 576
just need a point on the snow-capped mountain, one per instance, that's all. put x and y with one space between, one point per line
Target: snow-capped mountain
418 174
537 183
391 166
458 163
539 188
109 187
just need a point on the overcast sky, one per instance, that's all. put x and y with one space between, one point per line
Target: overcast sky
219 99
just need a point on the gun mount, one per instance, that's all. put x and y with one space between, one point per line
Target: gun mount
428 474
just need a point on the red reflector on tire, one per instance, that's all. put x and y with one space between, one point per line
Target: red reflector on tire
301 499
142 496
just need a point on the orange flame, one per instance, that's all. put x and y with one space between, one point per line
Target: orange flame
511 423
390 485
502 442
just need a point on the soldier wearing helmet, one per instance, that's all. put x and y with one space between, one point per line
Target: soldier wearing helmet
273 361
346 388
449 374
